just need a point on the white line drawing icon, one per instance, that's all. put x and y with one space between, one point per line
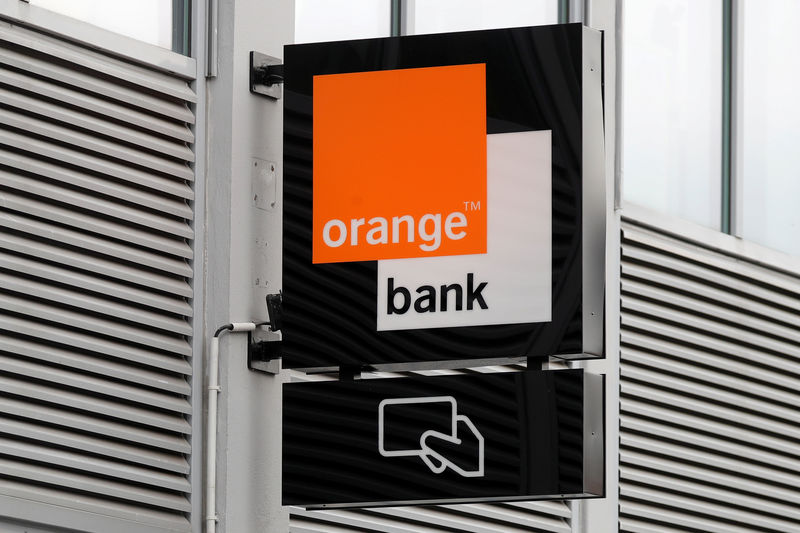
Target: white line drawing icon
459 428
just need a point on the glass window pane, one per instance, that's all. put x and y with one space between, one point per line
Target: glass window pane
672 107
436 16
323 20
146 20
769 124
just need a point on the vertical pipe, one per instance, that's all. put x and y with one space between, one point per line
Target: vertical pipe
395 24
212 43
211 436
563 11
727 109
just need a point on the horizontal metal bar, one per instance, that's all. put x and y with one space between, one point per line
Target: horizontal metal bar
96 104
82 300
85 141
109 248
57 253
636 415
86 284
102 208
98 365
127 173
98 85
95 125
62 377
90 404
141 198
51 456
94 485
104 66
107 346
70 419
94 325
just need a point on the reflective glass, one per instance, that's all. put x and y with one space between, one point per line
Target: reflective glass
146 20
435 16
769 124
672 107
323 20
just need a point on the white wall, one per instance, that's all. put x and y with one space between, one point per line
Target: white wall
243 245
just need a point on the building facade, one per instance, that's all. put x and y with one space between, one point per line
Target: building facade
130 233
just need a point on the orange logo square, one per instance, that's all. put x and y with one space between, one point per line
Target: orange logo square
399 164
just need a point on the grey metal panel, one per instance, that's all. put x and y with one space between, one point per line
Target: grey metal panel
89 322
92 143
757 381
478 518
112 249
97 164
141 455
93 364
31 451
97 425
82 180
95 104
698 498
717 313
707 340
89 223
42 66
92 484
676 315
95 124
98 206
710 374
97 304
765 283
425 520
103 66
116 348
89 283
683 519
672 474
95 277
93 264
694 455
88 403
91 384
694 436
84 512
760 414
701 290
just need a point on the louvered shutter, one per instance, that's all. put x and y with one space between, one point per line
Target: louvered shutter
710 389
95 288
513 517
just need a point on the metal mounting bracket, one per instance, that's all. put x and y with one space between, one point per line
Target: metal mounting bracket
266 75
264 347
263 355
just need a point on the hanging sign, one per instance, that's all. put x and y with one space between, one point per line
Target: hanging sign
446 439
443 199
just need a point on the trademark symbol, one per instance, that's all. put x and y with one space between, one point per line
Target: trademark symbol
472 206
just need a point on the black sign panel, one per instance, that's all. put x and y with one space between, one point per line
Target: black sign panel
484 437
536 80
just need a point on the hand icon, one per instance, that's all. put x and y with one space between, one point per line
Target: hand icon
459 446
463 453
